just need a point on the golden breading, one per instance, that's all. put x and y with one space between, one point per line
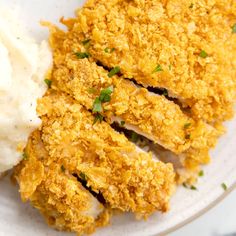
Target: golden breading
128 179
58 195
185 46
154 116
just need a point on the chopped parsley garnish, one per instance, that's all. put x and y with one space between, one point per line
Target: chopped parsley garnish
170 67
25 156
187 136
98 118
234 29
191 5
134 137
105 95
86 42
158 68
48 82
122 123
83 176
192 187
203 54
187 125
97 105
63 169
114 71
201 173
224 186
92 90
82 55
165 92
109 50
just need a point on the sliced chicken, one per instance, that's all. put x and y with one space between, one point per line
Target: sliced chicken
191 53
63 201
146 113
128 179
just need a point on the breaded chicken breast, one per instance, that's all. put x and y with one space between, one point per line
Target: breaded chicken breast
146 113
56 193
163 69
185 46
128 179
70 150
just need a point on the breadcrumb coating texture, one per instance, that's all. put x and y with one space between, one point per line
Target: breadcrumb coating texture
58 195
160 119
129 180
186 47
172 34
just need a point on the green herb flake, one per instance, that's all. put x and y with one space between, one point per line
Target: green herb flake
170 67
224 186
193 188
203 54
109 50
122 123
105 95
187 125
157 69
48 82
83 176
63 169
201 173
191 5
106 50
165 92
114 71
187 136
92 90
82 55
97 105
98 118
134 137
234 29
25 156
86 42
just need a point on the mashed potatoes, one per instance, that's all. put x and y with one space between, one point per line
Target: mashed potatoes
23 65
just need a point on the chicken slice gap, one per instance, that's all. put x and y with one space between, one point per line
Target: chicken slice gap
183 175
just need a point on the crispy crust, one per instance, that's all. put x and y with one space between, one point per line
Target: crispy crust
159 119
146 33
62 200
129 180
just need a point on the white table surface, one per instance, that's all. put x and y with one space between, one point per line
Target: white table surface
219 221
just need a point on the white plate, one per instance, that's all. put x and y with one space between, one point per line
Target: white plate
17 218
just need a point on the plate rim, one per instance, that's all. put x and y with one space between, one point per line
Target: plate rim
200 213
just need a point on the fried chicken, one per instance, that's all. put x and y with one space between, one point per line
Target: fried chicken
70 146
169 66
148 114
186 47
57 194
